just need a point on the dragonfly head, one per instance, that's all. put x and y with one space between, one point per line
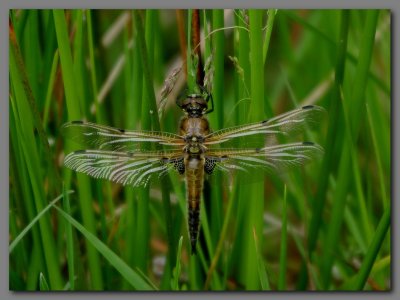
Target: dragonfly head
194 105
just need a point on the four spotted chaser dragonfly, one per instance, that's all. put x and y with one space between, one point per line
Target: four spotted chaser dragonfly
117 155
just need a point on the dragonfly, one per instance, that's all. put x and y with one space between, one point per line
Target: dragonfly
195 152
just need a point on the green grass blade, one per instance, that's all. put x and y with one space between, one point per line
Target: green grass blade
69 241
177 269
218 39
22 234
50 89
149 120
283 250
262 272
268 31
149 116
191 71
372 255
382 182
130 275
255 191
214 204
43 285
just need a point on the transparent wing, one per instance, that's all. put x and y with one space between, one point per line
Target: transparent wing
274 159
127 168
109 138
269 131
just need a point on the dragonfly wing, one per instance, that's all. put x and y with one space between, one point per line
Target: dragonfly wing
268 131
127 168
274 159
110 138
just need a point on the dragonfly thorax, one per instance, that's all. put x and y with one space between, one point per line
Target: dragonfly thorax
194 145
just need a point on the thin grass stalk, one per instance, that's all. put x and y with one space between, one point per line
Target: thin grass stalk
242 48
34 268
135 105
241 205
93 76
218 43
283 249
217 120
222 237
43 285
80 62
50 87
382 182
100 118
262 272
149 108
69 241
270 23
365 57
195 28
244 62
177 268
190 72
130 86
47 22
373 251
32 49
142 230
133 110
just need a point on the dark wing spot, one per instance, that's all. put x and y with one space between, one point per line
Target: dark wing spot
265 121
257 150
121 130
308 106
308 143
209 165
79 151
77 122
178 164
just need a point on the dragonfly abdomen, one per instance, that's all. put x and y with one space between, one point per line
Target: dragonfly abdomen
194 187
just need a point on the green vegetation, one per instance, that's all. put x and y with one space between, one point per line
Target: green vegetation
324 226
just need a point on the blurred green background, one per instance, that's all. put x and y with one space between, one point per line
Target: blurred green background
325 226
